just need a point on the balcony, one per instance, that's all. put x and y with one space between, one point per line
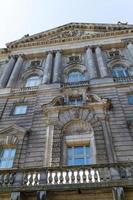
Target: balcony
123 79
85 177
74 84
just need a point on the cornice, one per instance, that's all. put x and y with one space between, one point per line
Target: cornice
15 46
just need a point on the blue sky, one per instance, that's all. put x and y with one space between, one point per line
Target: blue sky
20 17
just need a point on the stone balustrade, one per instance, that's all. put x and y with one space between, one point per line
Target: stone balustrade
123 79
62 177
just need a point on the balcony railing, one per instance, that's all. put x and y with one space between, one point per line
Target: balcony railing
104 175
123 79
74 84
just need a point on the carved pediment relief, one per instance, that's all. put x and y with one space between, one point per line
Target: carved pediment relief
12 135
92 102
68 31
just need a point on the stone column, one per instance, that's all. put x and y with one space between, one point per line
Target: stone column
57 68
17 196
15 72
47 66
7 72
118 193
101 64
92 72
130 48
41 195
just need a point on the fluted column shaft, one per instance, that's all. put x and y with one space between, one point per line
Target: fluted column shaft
101 64
57 68
130 48
47 66
92 72
7 72
15 72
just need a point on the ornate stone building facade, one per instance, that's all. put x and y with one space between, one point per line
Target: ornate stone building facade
66 114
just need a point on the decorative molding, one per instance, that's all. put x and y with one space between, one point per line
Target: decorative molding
12 135
72 32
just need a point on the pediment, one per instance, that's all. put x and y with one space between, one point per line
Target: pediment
68 32
12 135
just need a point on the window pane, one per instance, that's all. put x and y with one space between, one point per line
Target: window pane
70 162
79 161
6 153
87 149
75 76
130 99
3 164
88 161
78 150
69 152
78 155
33 81
9 163
20 109
12 154
7 158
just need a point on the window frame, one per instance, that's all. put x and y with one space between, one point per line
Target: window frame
77 156
72 80
79 140
30 79
7 159
130 102
17 105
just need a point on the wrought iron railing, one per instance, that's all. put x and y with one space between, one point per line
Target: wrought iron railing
85 176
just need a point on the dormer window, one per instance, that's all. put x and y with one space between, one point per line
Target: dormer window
33 81
75 76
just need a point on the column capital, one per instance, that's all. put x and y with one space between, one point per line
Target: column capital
57 51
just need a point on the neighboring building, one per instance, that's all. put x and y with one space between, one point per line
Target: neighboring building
66 114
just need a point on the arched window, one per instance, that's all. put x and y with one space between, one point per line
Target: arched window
119 71
75 76
33 81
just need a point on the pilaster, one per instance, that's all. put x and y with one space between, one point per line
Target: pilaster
92 72
57 68
47 66
15 72
101 64
7 72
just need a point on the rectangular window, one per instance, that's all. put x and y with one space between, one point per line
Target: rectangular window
7 157
78 155
20 109
130 99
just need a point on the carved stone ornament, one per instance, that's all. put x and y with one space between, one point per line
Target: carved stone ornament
12 135
92 101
